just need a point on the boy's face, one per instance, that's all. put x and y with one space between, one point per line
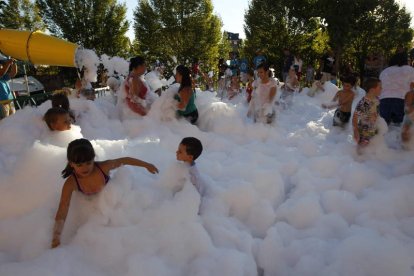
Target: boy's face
261 73
347 86
182 154
62 123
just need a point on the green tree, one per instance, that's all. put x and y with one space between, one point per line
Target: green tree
224 46
389 26
95 24
20 15
185 30
272 25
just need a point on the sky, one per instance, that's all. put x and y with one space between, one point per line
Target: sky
232 13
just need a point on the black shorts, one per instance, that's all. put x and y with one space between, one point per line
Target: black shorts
192 117
341 118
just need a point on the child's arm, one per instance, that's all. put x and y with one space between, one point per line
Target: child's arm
409 100
116 163
333 103
272 94
62 211
355 126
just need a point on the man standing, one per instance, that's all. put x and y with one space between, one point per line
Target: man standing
287 63
327 63
8 69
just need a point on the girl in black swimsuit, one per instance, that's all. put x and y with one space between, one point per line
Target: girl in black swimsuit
85 175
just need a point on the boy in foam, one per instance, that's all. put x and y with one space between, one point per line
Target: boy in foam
343 101
188 151
57 119
366 113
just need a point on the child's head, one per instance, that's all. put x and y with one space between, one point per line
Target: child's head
373 86
263 70
235 79
137 64
60 100
80 155
57 119
189 149
348 82
250 74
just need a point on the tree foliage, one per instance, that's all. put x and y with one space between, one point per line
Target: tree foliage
185 30
95 24
20 15
272 25
349 27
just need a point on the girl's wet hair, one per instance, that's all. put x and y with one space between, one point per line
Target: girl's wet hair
264 66
79 151
135 62
186 76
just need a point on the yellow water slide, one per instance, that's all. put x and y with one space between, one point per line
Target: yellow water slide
37 48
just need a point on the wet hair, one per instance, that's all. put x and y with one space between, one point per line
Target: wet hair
264 66
60 100
186 76
135 62
193 146
51 116
349 79
371 83
79 151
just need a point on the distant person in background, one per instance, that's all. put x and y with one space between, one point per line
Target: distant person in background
186 95
234 88
409 115
290 86
297 64
136 89
234 65
60 100
243 68
396 81
288 61
258 59
310 75
249 85
84 87
262 107
327 66
8 70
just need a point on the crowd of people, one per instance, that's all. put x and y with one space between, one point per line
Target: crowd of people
390 96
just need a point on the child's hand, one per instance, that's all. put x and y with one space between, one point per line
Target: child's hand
151 168
55 242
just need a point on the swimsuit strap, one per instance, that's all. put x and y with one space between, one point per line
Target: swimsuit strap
77 183
106 177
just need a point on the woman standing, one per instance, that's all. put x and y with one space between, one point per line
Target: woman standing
135 88
262 104
186 95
